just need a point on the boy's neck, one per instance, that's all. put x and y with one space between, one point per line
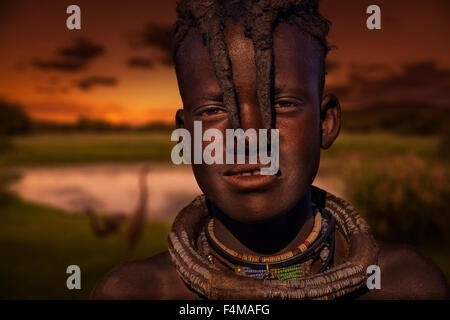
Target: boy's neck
276 236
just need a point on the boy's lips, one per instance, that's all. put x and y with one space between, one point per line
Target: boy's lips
248 178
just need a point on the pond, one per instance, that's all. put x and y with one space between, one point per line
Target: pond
114 188
110 188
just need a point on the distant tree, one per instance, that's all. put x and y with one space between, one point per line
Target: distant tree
13 119
157 126
444 144
86 124
5 144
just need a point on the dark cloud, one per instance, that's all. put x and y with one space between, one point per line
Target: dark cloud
413 76
82 49
90 82
419 74
140 63
369 69
418 81
72 58
156 36
59 65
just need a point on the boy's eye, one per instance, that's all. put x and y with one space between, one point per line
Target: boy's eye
287 104
210 112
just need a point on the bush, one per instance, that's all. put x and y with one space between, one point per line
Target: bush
444 144
404 200
13 120
5 143
401 118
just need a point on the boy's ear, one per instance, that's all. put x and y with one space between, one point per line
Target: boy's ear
330 116
179 119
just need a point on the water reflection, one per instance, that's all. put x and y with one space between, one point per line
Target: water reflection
110 188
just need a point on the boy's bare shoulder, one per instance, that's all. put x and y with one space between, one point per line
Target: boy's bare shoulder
153 278
406 274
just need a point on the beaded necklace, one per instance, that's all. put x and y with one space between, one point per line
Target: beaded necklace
273 267
323 228
212 282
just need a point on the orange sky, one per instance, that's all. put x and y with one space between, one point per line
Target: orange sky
412 31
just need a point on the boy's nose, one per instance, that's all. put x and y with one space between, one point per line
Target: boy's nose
250 114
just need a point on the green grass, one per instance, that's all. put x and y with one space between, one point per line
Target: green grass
37 243
383 144
75 148
86 148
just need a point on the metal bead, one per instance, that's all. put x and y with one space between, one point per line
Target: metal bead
238 269
324 253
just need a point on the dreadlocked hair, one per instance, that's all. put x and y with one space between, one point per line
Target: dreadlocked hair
260 17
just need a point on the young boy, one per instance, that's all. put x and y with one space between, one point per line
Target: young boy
253 65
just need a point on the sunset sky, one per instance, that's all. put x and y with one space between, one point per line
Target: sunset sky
117 67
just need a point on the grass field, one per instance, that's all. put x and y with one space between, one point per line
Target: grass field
76 148
38 242
130 147
383 144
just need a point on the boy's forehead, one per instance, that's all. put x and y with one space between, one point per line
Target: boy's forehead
195 71
296 57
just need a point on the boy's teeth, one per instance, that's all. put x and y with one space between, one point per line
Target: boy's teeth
251 173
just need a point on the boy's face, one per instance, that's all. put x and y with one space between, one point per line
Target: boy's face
297 70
